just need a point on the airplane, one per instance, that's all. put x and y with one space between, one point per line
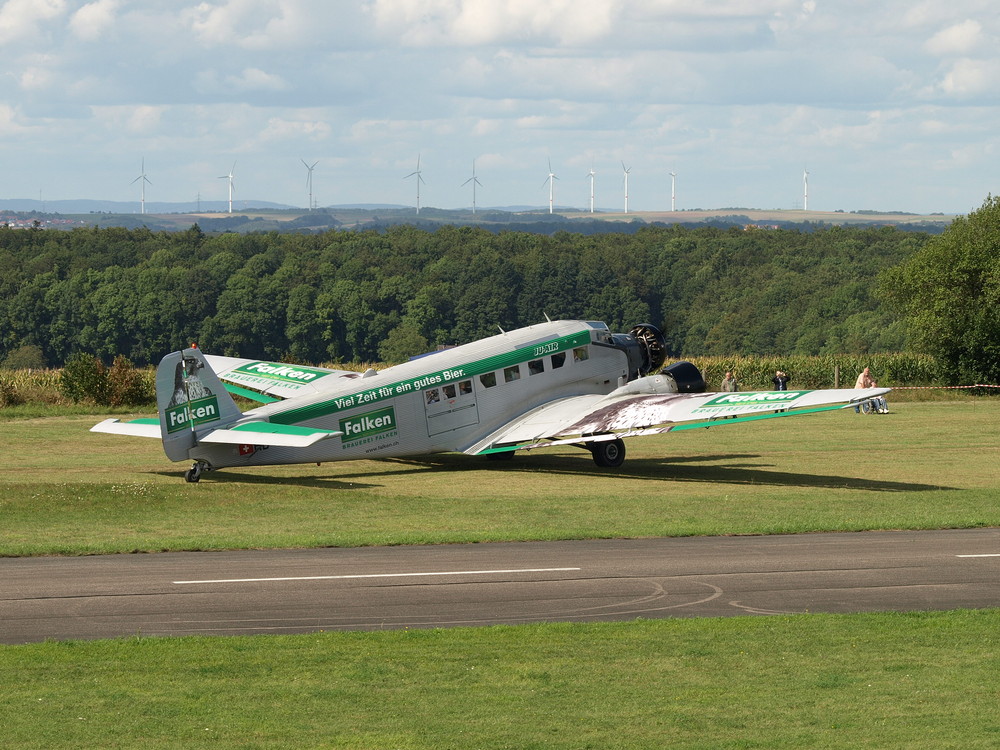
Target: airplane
566 382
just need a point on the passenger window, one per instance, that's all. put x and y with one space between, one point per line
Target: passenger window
433 396
488 379
449 391
465 387
580 354
510 374
536 366
558 360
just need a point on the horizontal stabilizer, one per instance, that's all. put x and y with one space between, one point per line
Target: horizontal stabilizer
276 379
149 428
267 433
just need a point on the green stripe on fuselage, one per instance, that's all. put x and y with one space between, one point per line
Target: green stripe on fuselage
462 371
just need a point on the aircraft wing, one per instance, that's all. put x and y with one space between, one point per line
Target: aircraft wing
590 418
275 380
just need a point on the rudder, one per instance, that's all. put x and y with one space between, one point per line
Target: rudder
190 398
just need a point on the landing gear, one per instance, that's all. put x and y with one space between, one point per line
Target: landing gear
609 454
194 473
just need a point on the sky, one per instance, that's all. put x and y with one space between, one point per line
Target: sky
889 105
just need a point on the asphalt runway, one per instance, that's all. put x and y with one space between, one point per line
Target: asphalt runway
300 591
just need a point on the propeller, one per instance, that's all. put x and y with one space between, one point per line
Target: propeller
653 343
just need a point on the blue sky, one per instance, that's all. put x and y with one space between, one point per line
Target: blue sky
889 105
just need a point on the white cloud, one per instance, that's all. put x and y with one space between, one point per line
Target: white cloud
10 121
249 80
92 20
476 22
281 129
256 24
959 39
971 78
21 20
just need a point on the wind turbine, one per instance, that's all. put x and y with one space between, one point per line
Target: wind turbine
805 190
673 191
230 178
591 175
309 180
626 170
475 181
142 180
551 180
419 180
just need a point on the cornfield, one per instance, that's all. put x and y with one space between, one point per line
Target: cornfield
753 373
829 371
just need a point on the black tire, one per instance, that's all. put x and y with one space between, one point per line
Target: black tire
193 474
609 454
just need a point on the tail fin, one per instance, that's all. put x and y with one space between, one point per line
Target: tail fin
190 398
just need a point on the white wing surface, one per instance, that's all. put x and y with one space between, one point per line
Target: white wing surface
625 413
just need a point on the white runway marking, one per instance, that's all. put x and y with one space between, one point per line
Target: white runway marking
992 555
385 575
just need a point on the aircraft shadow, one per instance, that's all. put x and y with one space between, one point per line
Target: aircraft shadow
736 469
223 476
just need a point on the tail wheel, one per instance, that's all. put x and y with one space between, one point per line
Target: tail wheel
194 473
609 454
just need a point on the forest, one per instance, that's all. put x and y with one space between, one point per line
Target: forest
365 296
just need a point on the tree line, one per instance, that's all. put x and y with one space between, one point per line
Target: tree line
370 296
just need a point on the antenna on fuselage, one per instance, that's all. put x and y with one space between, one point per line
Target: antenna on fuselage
547 318
501 329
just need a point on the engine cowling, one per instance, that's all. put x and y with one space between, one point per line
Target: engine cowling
645 347
687 377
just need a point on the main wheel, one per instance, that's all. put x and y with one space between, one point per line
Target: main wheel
609 454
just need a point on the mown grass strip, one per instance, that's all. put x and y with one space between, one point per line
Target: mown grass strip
833 681
64 490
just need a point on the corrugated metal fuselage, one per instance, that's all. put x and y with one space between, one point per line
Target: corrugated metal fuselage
446 401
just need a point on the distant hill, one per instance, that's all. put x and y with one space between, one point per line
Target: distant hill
86 206
264 216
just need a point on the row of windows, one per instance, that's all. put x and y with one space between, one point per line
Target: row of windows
450 391
535 367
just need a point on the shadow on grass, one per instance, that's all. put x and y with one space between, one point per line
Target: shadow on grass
729 468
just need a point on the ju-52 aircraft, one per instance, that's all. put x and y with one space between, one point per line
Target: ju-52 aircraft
556 383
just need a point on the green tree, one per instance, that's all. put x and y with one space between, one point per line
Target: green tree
401 343
949 293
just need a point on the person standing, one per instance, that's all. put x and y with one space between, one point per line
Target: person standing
729 383
780 380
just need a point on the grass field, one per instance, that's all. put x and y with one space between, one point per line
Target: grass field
818 681
925 680
927 465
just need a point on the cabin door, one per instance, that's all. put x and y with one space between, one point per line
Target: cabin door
450 407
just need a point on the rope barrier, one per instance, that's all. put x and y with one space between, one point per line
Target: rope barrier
939 387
